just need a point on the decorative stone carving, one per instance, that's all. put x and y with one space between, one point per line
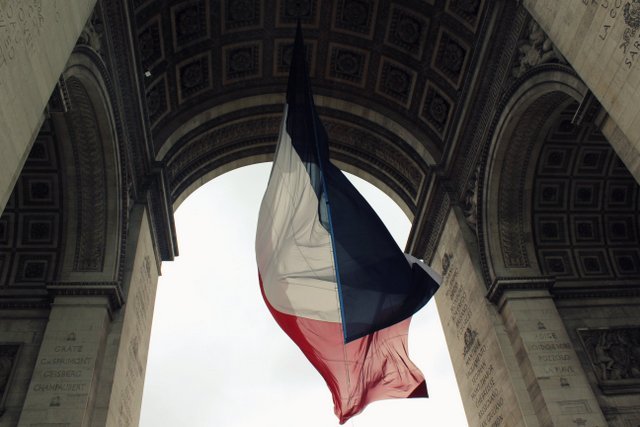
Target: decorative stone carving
396 82
451 57
242 62
355 16
347 65
283 52
446 263
470 338
468 11
112 290
93 31
90 181
289 11
631 14
407 31
512 233
195 77
217 143
298 8
535 48
150 44
614 354
469 202
361 143
190 23
436 109
241 14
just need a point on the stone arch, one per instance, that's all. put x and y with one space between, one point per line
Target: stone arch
93 176
362 141
505 187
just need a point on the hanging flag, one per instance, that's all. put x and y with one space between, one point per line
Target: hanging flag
330 272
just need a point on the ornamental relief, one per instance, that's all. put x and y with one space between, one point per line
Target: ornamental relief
614 354
534 48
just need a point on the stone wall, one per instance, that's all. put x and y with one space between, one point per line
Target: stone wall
492 391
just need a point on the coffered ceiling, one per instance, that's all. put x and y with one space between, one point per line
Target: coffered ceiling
390 79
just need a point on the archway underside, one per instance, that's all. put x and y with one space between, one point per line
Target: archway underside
585 209
395 77
372 153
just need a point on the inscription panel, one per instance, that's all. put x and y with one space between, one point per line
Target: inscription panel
481 383
65 371
21 24
554 377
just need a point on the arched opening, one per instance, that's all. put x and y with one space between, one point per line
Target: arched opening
558 201
560 241
505 181
251 373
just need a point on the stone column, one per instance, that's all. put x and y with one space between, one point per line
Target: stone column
555 381
491 386
36 39
63 382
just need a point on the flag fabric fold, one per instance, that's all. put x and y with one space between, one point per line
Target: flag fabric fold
330 272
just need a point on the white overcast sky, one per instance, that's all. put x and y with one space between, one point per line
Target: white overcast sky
217 357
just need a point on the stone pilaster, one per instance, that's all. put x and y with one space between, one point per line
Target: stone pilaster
491 385
555 380
63 383
122 375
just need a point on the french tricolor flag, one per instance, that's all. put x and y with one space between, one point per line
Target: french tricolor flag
330 273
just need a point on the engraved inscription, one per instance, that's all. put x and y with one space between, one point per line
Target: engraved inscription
66 369
551 355
21 24
629 12
485 392
460 310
